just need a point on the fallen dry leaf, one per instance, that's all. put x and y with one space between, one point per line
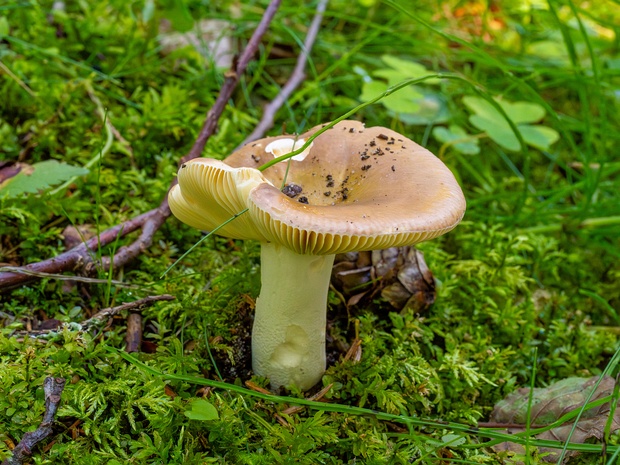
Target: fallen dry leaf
212 38
399 274
550 404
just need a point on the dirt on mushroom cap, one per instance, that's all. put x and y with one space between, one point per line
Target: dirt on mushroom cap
366 188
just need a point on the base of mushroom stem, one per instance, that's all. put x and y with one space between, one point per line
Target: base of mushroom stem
288 337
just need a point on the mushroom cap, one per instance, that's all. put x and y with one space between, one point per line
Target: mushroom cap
354 188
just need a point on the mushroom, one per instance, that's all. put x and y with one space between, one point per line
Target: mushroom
356 189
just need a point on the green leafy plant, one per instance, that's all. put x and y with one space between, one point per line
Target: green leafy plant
413 104
455 136
40 177
201 410
488 118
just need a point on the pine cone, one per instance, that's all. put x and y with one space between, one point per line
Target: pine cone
399 274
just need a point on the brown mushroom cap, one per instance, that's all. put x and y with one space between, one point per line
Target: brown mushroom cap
365 188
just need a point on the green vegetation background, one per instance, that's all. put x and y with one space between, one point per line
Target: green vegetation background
530 279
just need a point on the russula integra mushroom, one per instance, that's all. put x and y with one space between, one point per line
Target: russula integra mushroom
354 188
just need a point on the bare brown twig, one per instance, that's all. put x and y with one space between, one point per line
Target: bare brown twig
298 75
133 337
135 305
53 388
231 81
80 258
98 318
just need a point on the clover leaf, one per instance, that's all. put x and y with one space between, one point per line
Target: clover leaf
405 100
488 119
412 104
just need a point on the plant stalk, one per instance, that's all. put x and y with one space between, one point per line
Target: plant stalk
589 223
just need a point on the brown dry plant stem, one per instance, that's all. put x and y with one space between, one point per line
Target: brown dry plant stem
82 259
52 388
135 306
133 338
99 318
296 78
232 77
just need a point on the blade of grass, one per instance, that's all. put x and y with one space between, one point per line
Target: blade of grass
601 139
359 411
530 401
612 311
612 411
508 73
388 92
204 238
611 366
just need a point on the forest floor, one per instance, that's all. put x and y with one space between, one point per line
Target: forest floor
100 102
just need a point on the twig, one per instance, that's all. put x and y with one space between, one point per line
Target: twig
230 83
136 305
152 223
52 388
126 254
81 258
133 337
298 75
98 318
62 277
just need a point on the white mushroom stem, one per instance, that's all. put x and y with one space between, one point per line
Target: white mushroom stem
288 338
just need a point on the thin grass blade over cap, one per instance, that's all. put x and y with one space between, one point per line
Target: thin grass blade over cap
357 189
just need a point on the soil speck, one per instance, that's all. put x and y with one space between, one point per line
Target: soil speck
292 190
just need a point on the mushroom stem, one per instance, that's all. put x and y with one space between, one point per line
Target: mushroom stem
288 338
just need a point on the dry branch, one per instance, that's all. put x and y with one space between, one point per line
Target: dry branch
53 388
133 338
296 78
232 77
136 305
78 259
98 318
